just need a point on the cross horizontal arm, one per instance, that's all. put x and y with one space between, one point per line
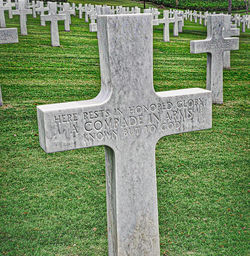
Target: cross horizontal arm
53 17
200 46
72 125
182 111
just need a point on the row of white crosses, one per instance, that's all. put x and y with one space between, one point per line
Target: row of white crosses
177 20
93 11
244 21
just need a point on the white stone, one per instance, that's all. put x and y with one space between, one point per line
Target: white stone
53 17
2 17
228 31
128 117
42 9
22 12
67 11
215 45
8 35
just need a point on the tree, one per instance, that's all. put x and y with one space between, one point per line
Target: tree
144 4
177 3
229 6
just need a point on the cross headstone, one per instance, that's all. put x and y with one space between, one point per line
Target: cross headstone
177 20
81 9
22 12
93 24
200 18
53 17
33 6
9 6
195 14
2 16
128 117
244 23
191 16
228 31
165 21
42 9
67 11
215 45
7 36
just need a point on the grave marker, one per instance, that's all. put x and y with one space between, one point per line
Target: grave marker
67 11
215 45
53 17
22 12
128 117
41 9
8 35
2 16
228 31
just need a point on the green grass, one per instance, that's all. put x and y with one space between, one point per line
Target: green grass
55 204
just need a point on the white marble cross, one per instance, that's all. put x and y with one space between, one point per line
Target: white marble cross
41 9
68 12
81 9
33 6
22 12
215 45
165 21
9 6
228 31
2 16
128 117
93 24
53 17
178 21
200 18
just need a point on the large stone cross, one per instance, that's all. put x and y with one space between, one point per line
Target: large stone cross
53 17
22 12
215 45
128 117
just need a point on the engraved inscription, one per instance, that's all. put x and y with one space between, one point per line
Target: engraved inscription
8 36
132 121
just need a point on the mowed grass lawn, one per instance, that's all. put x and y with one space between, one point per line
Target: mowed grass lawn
55 204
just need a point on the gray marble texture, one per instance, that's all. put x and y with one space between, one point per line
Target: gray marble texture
128 117
8 35
215 45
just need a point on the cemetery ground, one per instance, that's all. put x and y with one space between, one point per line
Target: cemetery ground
55 204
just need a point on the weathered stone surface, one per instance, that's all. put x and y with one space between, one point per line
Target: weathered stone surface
53 17
8 35
128 117
215 45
